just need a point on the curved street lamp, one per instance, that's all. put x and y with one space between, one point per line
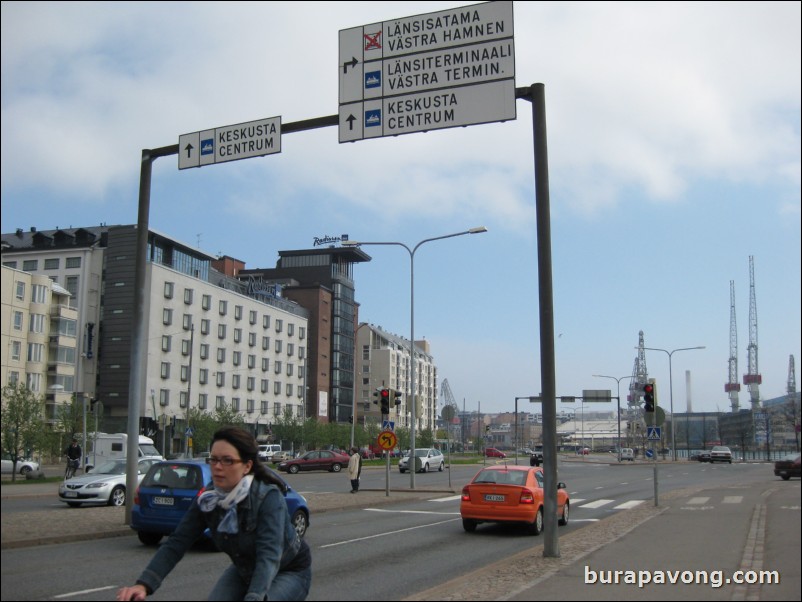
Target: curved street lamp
671 393
618 399
355 243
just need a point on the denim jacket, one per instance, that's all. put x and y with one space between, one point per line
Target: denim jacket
266 542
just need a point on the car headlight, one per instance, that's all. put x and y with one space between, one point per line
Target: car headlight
96 485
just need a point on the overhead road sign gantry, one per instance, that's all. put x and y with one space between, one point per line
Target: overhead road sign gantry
230 143
433 71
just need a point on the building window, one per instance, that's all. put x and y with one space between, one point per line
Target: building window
277 407
35 352
10 264
206 302
252 317
301 353
220 402
289 390
277 388
221 331
235 404
16 350
223 307
202 400
166 342
237 358
290 349
187 322
289 369
221 355
235 381
13 378
266 321
265 385
238 335
168 290
252 339
221 379
71 284
165 370
184 373
73 262
52 264
20 291
185 347
205 326
37 323
302 333
251 383
251 406
204 351
167 316
30 265
164 397
203 376
188 294
182 399
34 381
251 362
238 312
18 320
263 408
279 325
265 364
277 367
265 343
278 346
38 293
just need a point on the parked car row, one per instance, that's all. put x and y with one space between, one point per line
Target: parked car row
23 466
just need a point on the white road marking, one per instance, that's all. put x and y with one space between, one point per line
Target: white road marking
597 504
699 500
629 504
732 499
340 543
83 592
446 499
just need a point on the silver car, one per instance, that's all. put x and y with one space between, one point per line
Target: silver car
104 485
426 459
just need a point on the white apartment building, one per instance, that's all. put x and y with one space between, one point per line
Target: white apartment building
38 337
382 359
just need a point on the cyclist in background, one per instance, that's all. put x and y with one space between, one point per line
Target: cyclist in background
74 454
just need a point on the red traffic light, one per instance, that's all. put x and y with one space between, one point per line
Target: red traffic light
386 394
648 388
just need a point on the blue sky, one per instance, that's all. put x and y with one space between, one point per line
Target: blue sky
674 155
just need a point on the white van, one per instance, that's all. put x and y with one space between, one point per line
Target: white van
105 446
266 451
627 454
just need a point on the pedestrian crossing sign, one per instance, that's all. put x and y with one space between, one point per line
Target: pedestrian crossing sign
653 433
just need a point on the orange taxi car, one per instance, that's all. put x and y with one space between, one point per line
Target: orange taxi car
509 494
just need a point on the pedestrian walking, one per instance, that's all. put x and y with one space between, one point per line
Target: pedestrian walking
354 469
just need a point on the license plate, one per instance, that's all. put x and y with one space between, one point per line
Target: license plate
494 498
70 494
163 501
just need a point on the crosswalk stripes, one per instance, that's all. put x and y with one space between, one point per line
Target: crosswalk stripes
578 503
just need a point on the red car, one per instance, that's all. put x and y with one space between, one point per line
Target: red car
509 494
492 452
788 467
316 460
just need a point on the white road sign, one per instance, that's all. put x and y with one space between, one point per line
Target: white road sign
230 143
438 70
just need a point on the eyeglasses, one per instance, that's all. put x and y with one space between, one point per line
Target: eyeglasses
226 461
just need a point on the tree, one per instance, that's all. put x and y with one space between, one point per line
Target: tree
22 422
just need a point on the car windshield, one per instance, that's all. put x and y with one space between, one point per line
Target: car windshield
421 453
115 467
502 477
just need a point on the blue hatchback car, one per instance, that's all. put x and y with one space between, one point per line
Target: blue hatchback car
167 491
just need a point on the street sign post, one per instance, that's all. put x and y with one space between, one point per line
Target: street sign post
433 71
230 143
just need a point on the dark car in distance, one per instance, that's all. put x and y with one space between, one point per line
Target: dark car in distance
700 456
167 492
788 467
319 459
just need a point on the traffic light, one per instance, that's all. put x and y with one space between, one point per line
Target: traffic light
385 399
398 398
351 419
648 397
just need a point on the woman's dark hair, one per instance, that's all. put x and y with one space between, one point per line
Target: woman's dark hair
248 449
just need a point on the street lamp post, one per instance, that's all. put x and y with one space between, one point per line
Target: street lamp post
354 243
532 399
618 399
671 393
